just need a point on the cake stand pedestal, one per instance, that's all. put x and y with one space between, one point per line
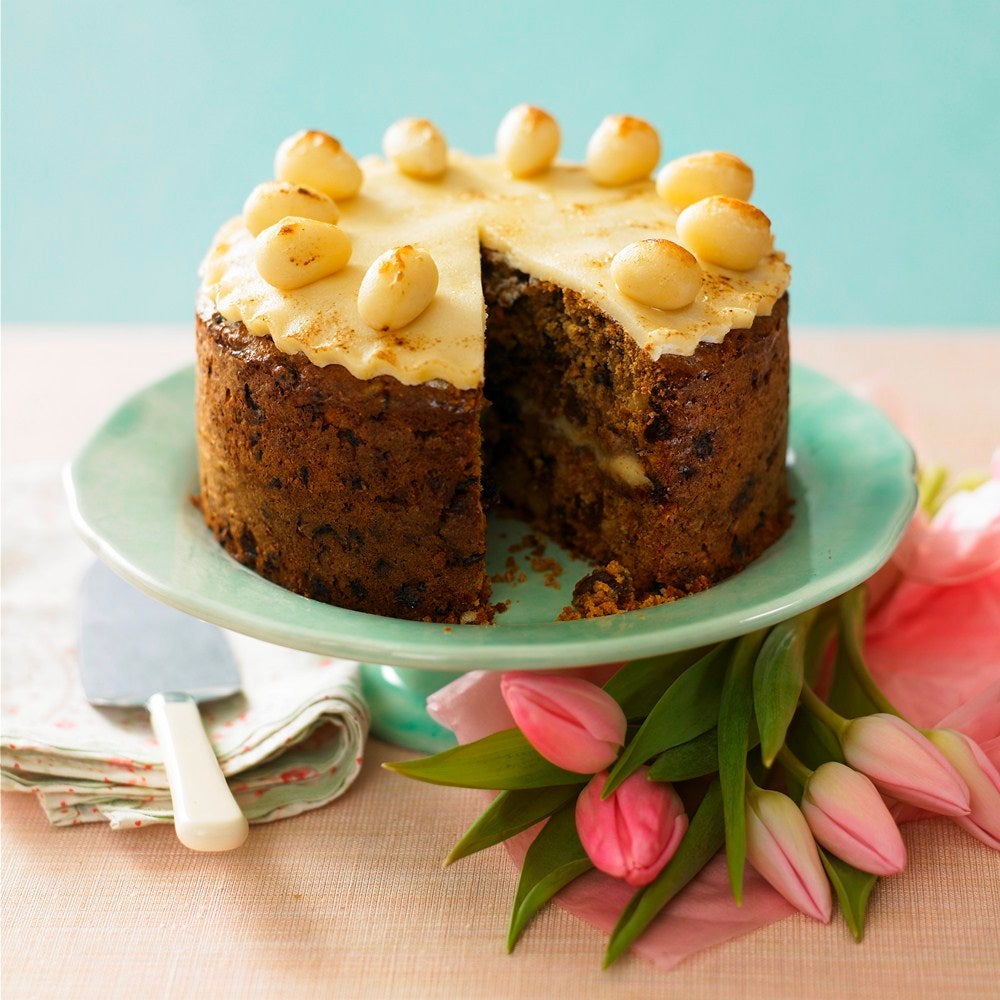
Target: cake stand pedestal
397 701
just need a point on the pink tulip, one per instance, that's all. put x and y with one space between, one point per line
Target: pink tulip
983 780
848 817
635 831
903 763
781 847
569 721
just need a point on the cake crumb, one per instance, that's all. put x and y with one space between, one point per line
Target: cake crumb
609 590
530 541
478 616
510 573
552 569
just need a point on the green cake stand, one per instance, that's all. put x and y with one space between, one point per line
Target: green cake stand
129 489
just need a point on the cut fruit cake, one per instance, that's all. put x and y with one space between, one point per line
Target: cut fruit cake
387 347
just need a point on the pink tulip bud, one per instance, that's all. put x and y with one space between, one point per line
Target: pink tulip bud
903 763
569 721
983 780
781 848
635 831
848 817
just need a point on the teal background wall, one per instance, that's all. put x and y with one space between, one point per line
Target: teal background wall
132 129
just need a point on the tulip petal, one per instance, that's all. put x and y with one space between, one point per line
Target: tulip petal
848 817
782 849
933 633
983 779
903 763
568 720
634 832
931 649
961 543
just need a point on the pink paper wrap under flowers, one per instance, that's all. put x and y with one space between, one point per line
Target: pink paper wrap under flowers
933 646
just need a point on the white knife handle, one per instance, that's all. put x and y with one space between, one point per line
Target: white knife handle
206 816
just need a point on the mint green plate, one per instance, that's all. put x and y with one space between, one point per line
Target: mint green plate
852 477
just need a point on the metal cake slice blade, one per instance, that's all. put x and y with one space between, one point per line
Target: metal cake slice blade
136 651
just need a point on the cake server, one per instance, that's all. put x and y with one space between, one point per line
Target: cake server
135 651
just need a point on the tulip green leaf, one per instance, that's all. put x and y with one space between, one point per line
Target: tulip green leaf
693 759
853 890
735 718
510 813
639 684
556 857
777 682
702 841
688 708
503 760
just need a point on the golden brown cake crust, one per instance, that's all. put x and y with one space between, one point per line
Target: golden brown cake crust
364 494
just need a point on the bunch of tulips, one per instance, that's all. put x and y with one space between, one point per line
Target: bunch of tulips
841 805
675 757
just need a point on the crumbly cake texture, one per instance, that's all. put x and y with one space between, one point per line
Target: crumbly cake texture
365 494
674 468
350 464
368 493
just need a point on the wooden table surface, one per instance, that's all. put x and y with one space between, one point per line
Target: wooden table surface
351 900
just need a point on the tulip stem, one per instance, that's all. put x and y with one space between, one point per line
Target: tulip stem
794 766
930 485
822 711
860 670
851 610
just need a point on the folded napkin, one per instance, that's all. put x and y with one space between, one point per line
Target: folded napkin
292 740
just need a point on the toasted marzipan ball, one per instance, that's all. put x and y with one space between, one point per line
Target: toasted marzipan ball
657 273
417 147
318 161
684 181
296 252
623 149
527 140
272 201
726 231
397 288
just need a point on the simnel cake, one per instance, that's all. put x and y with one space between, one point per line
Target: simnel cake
388 347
